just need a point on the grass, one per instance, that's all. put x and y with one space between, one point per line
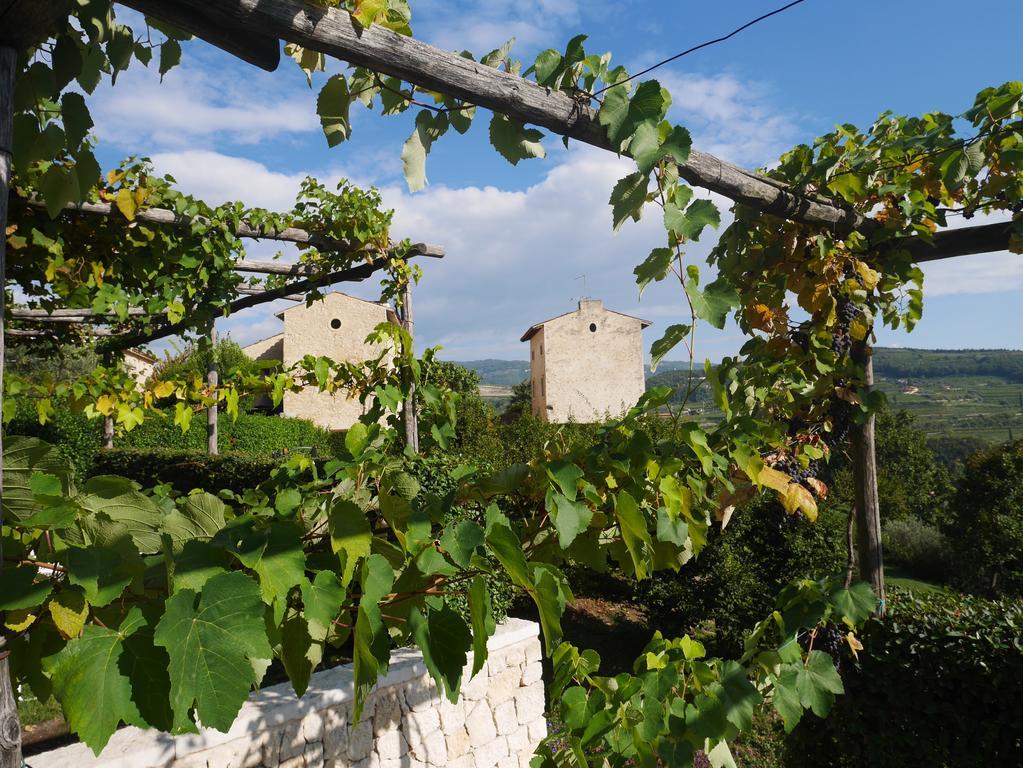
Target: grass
899 577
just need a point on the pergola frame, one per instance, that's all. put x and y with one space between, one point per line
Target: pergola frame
252 30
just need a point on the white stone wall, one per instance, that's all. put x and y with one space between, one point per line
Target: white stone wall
497 722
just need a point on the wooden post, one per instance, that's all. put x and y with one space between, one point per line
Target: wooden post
411 417
108 432
10 726
212 379
868 510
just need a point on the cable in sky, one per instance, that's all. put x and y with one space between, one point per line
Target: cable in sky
733 33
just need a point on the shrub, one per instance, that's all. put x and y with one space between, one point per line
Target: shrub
251 433
742 569
920 548
986 521
186 470
937 685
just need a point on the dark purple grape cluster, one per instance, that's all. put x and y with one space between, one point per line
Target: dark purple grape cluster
700 760
830 640
841 422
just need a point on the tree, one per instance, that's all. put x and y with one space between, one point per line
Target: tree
986 521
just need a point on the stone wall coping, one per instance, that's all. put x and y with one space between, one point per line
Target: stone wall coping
269 707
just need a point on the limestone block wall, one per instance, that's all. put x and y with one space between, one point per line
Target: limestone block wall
497 722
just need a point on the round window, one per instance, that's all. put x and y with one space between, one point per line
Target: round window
593 327
335 323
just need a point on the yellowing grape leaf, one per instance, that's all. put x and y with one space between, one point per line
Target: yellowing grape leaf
69 610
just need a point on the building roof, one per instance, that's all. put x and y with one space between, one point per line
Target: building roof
141 355
388 307
273 336
531 332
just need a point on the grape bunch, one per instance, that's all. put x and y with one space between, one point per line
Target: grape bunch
829 639
841 342
841 421
700 760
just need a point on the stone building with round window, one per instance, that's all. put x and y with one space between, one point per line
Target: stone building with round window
586 365
335 327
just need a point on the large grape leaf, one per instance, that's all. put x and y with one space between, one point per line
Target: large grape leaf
372 645
19 588
199 517
444 640
274 552
22 457
350 536
104 571
95 693
481 615
212 640
117 499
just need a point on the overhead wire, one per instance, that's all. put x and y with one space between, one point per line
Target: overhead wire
706 44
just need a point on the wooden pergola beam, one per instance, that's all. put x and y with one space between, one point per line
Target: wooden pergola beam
331 31
260 50
25 23
963 241
169 218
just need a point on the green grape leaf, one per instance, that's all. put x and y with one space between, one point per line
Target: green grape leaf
299 654
274 552
76 118
444 640
461 540
212 640
714 302
117 499
514 141
429 128
855 604
654 268
570 517
350 536
322 599
633 526
333 106
566 475
371 644
700 214
22 457
507 548
195 563
19 588
199 516
105 570
94 692
738 695
551 594
673 336
170 56
481 616
628 198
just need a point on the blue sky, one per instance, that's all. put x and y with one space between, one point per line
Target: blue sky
520 238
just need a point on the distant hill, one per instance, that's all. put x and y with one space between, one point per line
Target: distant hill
968 393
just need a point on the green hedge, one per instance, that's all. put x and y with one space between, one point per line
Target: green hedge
250 433
938 684
186 470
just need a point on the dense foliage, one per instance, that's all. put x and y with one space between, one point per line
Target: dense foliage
937 684
186 471
986 521
125 592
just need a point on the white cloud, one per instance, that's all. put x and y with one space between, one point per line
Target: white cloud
486 24
197 104
732 119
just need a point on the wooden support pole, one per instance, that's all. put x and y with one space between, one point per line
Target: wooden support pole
212 379
868 509
411 416
10 725
108 432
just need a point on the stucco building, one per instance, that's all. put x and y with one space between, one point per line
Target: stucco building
139 364
335 327
586 365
